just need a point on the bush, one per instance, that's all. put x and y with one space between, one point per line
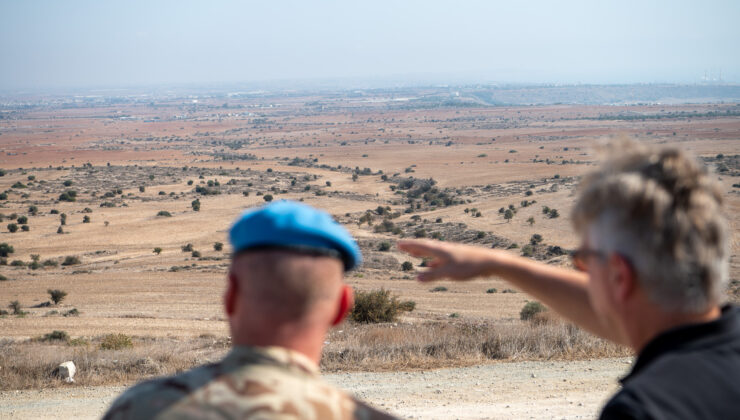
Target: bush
384 246
535 239
72 312
86 219
492 290
50 263
531 309
56 335
33 210
22 220
70 196
17 263
187 248
164 213
195 204
6 250
553 213
67 183
218 246
71 260
16 307
267 197
378 306
157 250
60 230
57 295
195 254
25 228
480 234
3 278
407 266
12 227
438 289
116 342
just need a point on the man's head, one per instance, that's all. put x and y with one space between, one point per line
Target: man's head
287 272
656 214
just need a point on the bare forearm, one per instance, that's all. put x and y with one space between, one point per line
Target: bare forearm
565 291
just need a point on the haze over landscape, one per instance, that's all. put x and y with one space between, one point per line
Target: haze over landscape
133 133
50 44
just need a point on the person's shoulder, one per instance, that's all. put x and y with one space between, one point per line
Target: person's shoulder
147 399
624 405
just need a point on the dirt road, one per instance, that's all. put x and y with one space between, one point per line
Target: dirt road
538 390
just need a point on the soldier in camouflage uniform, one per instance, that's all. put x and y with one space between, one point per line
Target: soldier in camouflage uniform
285 291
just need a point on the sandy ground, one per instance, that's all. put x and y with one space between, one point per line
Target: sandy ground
523 390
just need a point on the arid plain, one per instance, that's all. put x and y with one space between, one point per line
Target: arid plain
384 170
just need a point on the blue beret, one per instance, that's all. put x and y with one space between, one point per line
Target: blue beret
288 224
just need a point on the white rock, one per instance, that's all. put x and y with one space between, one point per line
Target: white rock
67 371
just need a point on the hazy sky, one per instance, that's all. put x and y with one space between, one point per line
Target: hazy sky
110 43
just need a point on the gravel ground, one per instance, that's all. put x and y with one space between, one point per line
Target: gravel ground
536 390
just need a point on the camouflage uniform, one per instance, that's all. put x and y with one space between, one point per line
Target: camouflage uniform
251 382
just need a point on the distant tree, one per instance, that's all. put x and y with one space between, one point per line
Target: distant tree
195 204
57 296
86 219
6 250
553 214
33 210
60 230
218 246
142 188
67 183
407 266
63 219
508 215
157 250
267 197
22 220
535 239
530 221
12 227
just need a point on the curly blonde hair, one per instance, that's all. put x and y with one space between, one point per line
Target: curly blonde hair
660 209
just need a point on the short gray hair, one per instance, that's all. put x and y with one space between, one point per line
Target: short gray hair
661 210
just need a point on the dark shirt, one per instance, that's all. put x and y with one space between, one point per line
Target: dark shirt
689 372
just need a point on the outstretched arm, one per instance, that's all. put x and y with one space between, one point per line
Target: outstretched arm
565 291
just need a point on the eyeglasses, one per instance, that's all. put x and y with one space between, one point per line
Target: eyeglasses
580 257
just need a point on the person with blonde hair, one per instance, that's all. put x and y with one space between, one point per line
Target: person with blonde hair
652 270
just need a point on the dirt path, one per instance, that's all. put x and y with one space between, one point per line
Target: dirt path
562 390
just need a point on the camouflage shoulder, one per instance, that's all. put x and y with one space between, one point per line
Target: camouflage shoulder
147 399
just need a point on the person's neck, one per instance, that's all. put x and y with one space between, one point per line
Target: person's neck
305 340
652 323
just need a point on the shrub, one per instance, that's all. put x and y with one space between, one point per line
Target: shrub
17 263
25 228
12 227
535 239
57 296
22 220
378 306
63 219
33 210
71 260
530 221
6 250
16 307
54 211
531 309
86 219
116 342
18 185
195 204
553 213
195 254
60 230
3 278
187 248
384 246
528 250
56 335
142 188
267 197
508 215
50 263
492 290
218 246
164 213
72 312
438 289
70 196
407 266
67 183
480 234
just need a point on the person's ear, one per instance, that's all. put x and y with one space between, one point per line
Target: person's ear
345 304
230 295
624 277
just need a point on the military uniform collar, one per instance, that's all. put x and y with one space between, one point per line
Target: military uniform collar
277 355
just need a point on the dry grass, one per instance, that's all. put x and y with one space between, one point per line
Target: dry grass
28 364
445 344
